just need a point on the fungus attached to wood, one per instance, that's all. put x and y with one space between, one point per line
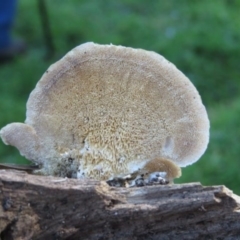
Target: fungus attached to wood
107 112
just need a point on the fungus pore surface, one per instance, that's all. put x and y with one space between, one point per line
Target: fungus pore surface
105 111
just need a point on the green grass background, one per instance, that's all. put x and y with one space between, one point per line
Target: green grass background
202 38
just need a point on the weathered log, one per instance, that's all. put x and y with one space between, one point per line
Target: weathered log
39 207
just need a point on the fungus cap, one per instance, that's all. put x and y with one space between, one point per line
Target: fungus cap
110 110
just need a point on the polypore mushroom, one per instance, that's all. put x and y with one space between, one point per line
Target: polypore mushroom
106 111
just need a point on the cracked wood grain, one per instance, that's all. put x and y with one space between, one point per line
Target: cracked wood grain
40 207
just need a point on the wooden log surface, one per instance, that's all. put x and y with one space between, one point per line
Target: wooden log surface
40 207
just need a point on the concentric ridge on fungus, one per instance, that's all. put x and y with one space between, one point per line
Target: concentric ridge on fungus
106 111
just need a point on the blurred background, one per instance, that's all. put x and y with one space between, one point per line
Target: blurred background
202 38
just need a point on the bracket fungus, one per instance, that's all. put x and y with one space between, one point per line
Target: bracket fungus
111 112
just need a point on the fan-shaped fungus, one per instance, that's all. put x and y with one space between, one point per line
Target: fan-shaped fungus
106 111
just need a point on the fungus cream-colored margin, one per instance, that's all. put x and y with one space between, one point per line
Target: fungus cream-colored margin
105 111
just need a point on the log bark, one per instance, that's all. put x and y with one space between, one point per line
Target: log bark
40 207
